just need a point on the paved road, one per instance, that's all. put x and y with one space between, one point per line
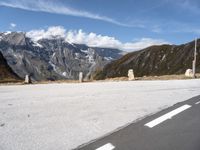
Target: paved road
176 128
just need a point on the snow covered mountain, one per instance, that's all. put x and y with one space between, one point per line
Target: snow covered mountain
53 58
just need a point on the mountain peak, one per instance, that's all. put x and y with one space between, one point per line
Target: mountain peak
52 58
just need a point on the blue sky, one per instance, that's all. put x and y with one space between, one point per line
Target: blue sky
136 22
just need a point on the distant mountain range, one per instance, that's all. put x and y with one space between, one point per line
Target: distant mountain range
6 73
53 59
153 61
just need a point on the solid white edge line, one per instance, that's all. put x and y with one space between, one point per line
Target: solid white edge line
108 146
197 102
169 115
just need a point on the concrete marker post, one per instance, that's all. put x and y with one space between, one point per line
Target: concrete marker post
27 79
80 77
131 75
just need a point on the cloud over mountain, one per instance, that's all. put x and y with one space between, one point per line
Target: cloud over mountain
92 39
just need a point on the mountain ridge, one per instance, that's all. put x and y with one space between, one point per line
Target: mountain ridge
54 58
153 61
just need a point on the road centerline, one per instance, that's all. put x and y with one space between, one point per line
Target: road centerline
168 115
197 102
107 146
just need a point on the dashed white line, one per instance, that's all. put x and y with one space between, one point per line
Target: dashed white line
197 102
108 146
167 116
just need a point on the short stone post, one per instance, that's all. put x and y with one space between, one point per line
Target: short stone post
80 77
131 75
189 73
27 79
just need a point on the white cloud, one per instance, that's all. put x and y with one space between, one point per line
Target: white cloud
157 29
142 43
12 25
92 39
58 8
50 33
189 5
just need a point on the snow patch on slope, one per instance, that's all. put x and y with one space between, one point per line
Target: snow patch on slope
108 58
35 43
7 32
1 37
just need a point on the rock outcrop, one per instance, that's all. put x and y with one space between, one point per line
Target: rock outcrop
6 73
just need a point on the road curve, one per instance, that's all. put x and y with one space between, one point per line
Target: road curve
175 128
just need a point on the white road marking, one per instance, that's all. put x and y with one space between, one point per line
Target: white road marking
108 146
167 116
197 102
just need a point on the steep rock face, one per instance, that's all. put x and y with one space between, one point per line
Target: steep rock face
51 59
6 73
154 61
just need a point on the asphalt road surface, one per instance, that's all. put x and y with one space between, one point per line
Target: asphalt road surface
175 128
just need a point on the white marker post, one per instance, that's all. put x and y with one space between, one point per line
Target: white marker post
131 75
27 79
194 61
80 77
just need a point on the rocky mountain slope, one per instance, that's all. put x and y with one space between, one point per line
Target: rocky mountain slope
6 73
53 58
153 61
